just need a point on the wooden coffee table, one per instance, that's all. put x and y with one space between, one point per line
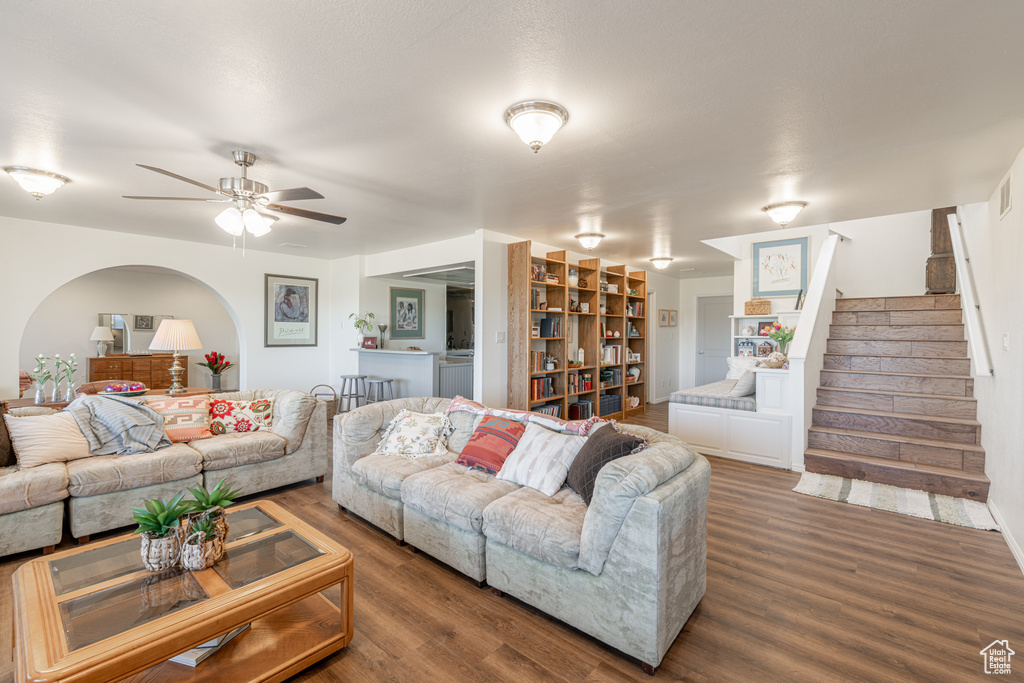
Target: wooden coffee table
95 614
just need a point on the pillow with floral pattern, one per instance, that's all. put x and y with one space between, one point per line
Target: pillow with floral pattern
228 417
416 435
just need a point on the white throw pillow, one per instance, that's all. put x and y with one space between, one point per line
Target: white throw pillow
415 435
43 439
745 385
541 460
738 365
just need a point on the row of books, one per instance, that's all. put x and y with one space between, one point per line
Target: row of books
537 361
554 410
611 377
581 410
631 330
546 328
580 381
541 387
611 354
635 308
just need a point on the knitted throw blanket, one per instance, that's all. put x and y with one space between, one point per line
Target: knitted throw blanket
117 425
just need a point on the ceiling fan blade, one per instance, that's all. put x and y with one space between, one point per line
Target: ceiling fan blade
178 199
180 177
302 213
292 195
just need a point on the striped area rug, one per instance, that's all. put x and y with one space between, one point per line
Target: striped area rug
959 511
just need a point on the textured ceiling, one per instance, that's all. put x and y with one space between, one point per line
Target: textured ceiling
685 117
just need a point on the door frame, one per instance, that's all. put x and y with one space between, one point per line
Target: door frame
696 323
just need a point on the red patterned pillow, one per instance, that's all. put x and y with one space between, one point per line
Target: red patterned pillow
240 416
492 441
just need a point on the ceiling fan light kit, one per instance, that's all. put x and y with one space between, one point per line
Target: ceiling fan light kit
784 212
536 121
36 183
590 240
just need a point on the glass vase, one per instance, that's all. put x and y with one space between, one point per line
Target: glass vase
40 393
69 392
55 394
784 349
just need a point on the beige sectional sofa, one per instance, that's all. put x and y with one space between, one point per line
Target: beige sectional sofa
628 569
100 491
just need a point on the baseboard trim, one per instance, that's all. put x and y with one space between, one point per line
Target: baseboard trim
1015 548
660 400
798 468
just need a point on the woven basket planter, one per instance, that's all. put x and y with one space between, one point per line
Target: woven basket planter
220 523
161 552
757 306
198 554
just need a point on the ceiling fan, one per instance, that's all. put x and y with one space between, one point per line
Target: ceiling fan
247 196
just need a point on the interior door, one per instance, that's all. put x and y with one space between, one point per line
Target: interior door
714 338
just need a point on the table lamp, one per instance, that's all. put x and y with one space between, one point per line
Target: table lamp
101 335
176 335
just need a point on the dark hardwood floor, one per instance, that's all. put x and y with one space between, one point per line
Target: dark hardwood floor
799 589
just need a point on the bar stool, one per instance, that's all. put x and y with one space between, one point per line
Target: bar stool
352 387
375 388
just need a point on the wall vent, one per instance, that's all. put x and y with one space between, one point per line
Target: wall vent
293 245
1004 195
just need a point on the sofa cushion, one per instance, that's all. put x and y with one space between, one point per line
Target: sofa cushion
108 473
385 473
493 439
603 446
292 410
38 486
230 450
455 494
228 417
43 439
547 528
542 459
186 418
358 432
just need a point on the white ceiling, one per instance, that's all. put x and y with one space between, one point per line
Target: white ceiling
685 117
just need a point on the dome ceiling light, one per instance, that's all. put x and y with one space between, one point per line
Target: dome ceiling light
590 240
785 212
661 262
36 183
536 121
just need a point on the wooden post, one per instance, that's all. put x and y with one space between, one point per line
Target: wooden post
940 272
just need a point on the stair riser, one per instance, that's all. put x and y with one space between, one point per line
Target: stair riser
941 349
948 485
931 366
898 332
917 385
902 303
900 426
894 450
950 316
899 404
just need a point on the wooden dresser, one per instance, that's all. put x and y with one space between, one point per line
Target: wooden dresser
153 371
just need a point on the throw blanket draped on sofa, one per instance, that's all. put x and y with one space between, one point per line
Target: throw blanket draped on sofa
117 425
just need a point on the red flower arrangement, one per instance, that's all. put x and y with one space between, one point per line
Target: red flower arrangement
216 363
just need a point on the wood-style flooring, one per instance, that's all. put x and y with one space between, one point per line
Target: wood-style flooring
799 589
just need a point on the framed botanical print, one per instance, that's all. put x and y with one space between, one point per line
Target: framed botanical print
406 313
290 310
780 267
673 317
662 317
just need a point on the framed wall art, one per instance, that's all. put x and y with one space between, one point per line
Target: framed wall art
290 310
673 318
406 313
143 323
662 317
780 267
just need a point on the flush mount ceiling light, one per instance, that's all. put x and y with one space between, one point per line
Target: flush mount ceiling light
785 212
590 240
36 183
661 262
536 121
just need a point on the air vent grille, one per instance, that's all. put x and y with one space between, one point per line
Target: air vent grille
1004 196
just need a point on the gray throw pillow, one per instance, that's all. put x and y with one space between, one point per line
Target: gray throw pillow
602 446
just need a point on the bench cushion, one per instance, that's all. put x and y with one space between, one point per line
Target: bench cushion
714 395
454 494
547 528
109 473
384 474
230 450
32 488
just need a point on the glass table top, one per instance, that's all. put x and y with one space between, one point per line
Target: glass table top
244 564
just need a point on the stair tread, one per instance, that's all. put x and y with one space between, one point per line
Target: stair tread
907 416
888 355
896 341
899 438
898 374
899 324
909 394
899 464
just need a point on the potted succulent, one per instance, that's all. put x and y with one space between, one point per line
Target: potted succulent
160 526
549 362
203 546
209 505
217 365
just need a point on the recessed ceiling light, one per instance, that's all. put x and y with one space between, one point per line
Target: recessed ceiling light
536 121
36 183
785 212
661 262
590 240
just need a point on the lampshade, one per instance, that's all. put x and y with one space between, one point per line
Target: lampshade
255 223
590 240
785 212
36 183
536 122
102 334
176 335
661 262
230 221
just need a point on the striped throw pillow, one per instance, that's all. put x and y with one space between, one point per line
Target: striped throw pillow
541 460
186 418
491 443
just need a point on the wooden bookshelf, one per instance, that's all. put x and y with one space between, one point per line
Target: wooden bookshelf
617 303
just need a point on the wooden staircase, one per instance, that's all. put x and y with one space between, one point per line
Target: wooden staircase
896 403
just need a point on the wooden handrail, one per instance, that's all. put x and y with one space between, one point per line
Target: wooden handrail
981 363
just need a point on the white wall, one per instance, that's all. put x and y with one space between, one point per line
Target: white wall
490 363
994 247
689 291
375 297
663 342
884 256
235 281
64 321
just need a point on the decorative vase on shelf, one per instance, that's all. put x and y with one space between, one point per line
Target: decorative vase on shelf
40 393
55 394
215 382
783 348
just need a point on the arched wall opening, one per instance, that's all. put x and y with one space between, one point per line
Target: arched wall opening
64 320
